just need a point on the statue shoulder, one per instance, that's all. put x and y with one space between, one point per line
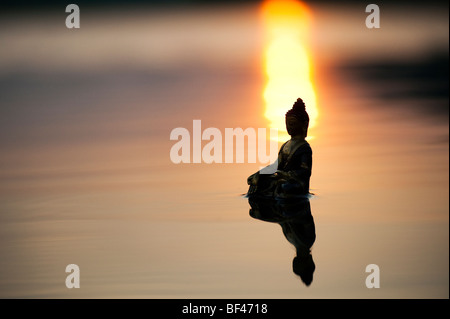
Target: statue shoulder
304 148
284 144
307 146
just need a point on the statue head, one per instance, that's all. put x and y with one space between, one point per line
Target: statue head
304 268
297 119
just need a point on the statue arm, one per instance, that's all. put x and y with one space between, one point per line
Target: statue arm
272 168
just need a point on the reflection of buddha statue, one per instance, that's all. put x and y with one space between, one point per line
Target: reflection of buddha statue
294 217
294 161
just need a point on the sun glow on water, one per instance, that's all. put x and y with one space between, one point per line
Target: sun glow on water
287 62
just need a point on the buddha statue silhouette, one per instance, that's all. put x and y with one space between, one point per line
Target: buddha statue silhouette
294 162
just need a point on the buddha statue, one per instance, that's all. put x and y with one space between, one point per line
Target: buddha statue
294 161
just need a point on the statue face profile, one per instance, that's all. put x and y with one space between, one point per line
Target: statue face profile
295 127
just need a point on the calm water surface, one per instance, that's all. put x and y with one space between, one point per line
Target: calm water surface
86 177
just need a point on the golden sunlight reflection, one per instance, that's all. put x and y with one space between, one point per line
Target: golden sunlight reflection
287 62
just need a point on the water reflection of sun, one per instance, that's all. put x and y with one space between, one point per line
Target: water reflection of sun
287 62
